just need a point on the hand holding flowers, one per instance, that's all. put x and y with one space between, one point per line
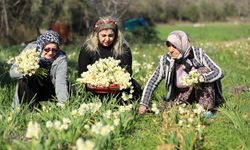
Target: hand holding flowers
27 63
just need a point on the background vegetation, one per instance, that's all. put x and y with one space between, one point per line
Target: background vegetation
228 44
19 19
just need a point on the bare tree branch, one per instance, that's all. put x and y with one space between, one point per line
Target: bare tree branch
115 8
16 3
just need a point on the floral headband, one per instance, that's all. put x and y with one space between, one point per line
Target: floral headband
47 37
105 23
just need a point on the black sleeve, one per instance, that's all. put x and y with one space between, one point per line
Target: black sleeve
126 60
84 60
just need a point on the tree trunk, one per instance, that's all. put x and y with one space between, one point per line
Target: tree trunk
5 18
86 15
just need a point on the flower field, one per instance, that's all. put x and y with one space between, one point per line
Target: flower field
91 122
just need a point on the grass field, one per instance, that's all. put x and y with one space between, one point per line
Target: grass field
227 44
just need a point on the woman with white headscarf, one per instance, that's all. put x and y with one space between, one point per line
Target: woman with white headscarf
176 65
30 89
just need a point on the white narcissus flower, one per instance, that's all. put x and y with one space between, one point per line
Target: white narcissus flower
107 114
106 130
94 107
33 130
64 127
9 116
199 109
190 120
116 114
84 145
74 112
62 105
116 121
187 116
181 123
80 144
155 109
122 109
101 129
125 96
86 127
130 96
44 108
49 124
66 121
91 107
57 125
125 108
136 66
11 61
182 110
200 127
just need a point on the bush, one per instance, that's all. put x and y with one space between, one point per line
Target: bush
211 11
146 34
189 12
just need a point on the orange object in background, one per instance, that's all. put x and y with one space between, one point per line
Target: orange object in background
63 30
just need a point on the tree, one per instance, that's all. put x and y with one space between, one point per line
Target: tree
115 8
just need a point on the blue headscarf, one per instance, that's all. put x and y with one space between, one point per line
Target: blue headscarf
47 37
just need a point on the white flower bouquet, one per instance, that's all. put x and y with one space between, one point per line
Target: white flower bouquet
27 63
106 76
192 79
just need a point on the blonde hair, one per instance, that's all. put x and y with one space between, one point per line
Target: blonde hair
118 48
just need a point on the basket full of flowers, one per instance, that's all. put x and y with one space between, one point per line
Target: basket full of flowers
105 76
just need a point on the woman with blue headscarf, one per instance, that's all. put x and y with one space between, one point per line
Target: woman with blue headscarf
32 90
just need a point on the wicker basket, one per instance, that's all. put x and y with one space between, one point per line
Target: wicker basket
113 88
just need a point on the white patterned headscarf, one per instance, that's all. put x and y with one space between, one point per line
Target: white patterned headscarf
180 40
47 37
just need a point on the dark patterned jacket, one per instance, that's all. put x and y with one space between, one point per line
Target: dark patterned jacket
165 70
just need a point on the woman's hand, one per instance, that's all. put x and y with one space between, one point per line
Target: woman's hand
142 109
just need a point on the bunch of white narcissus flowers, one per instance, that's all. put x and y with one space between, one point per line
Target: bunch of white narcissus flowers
191 79
27 62
105 72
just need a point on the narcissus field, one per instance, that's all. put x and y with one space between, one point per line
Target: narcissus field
90 122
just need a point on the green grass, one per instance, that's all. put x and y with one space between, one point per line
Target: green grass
227 44
208 32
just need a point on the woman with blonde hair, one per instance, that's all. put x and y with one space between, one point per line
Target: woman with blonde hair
106 40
